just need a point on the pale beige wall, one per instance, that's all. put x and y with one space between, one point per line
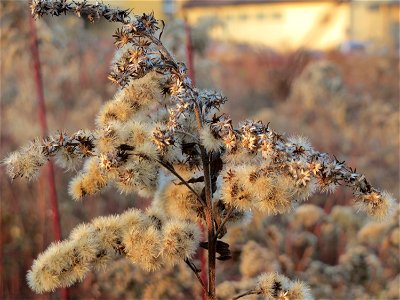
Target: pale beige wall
285 26
374 22
146 6
141 6
289 26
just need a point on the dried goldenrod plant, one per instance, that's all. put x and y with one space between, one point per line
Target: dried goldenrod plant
163 138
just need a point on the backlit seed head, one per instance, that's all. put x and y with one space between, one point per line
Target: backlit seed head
59 266
279 198
210 140
26 162
378 205
179 202
143 246
180 241
114 111
89 181
272 285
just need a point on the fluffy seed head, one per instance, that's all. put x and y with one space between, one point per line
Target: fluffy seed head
76 188
304 189
114 111
59 266
279 287
108 137
272 285
209 140
377 205
136 133
300 143
26 162
180 241
179 202
142 93
109 231
155 217
86 242
234 192
131 218
138 175
67 159
279 198
142 246
299 291
260 184
88 182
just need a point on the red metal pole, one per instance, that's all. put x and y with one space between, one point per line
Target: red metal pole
189 59
43 126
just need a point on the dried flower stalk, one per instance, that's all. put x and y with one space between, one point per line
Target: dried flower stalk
162 137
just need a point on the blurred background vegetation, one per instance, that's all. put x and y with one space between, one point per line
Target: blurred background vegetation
328 70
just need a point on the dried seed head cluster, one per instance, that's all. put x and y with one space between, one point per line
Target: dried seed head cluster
275 286
26 162
159 125
180 241
179 202
339 254
133 234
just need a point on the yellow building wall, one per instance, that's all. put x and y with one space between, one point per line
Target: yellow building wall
288 26
146 6
375 23
141 6
282 26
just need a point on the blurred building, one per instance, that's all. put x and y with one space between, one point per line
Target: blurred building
376 22
163 9
289 24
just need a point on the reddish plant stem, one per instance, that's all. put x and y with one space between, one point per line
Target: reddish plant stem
203 263
211 242
210 224
43 126
189 52
208 210
189 59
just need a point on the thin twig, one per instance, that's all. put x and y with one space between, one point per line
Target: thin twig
196 271
172 170
223 222
251 292
188 134
160 47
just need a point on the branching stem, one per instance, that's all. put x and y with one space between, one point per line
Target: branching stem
172 170
251 292
210 224
188 134
209 213
223 222
196 271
